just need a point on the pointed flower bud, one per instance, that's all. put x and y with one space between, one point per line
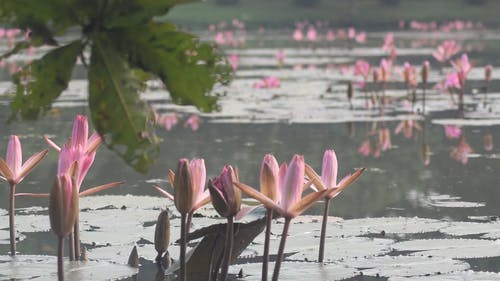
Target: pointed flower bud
183 187
425 71
63 205
329 169
226 198
162 232
269 177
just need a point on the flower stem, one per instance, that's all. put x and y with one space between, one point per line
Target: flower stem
77 238
228 249
60 265
12 226
321 254
71 244
265 258
182 256
188 222
281 249
424 87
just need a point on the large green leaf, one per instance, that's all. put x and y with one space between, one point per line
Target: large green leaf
124 13
59 14
189 69
41 82
118 112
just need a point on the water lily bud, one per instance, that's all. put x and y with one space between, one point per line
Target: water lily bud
269 177
183 187
63 205
425 71
329 169
133 258
487 72
226 198
162 233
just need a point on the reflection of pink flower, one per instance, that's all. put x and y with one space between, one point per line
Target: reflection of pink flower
462 151
452 132
351 33
267 82
361 37
312 35
330 36
280 56
297 35
234 61
193 121
384 138
168 120
488 141
407 127
365 148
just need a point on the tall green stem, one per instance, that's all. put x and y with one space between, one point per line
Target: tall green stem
60 251
321 254
182 256
12 226
265 258
281 249
228 249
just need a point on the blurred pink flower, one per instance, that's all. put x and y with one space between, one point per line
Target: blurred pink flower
452 131
388 42
365 148
362 67
407 127
234 61
462 151
361 37
297 35
312 34
446 50
193 121
267 82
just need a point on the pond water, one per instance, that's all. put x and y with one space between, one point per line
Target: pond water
424 185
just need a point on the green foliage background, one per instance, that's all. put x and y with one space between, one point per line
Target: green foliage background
127 47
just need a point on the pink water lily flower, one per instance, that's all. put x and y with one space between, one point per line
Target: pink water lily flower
234 61
388 42
446 50
463 67
83 148
290 202
362 67
328 179
13 169
365 148
297 35
385 70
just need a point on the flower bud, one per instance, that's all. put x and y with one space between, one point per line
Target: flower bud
63 205
269 177
425 71
183 187
162 233
226 198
